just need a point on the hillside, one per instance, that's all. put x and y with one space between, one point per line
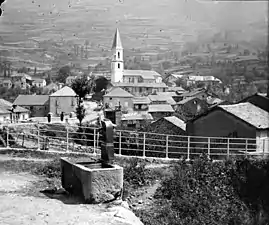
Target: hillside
39 33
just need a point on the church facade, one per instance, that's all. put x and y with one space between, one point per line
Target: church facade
136 82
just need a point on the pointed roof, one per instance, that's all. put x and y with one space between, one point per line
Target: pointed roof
117 40
118 92
65 91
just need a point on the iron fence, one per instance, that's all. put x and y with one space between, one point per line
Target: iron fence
67 138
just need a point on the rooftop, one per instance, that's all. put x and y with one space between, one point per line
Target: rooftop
176 121
5 107
145 74
65 91
182 102
31 100
117 41
118 92
250 113
137 116
163 98
141 100
192 93
148 85
160 108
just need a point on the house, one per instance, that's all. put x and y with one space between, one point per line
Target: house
259 100
178 90
137 82
168 125
39 82
38 105
6 114
200 93
63 100
160 110
162 98
69 80
242 120
6 83
141 104
21 80
51 88
118 97
191 106
171 97
135 120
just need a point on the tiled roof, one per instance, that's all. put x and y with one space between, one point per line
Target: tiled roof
118 92
141 100
28 100
192 93
249 113
145 74
147 85
160 108
5 107
162 98
186 100
176 121
178 89
65 91
137 116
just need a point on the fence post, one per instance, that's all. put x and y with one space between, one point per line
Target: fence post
38 136
94 141
246 148
228 148
144 145
166 149
67 139
208 147
188 149
7 144
120 143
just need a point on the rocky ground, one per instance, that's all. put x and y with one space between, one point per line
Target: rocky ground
23 203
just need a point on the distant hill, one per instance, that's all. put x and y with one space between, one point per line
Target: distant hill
32 31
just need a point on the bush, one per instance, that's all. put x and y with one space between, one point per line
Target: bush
203 192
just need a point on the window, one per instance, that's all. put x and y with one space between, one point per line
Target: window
140 90
110 98
118 66
118 55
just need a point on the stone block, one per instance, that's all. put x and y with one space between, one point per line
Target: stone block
96 182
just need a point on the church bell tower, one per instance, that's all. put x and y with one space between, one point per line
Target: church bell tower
117 65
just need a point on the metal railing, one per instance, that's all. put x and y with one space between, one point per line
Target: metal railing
67 138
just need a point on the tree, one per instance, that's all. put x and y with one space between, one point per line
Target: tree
82 86
63 73
100 84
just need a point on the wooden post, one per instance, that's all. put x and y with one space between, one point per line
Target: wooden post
228 148
246 148
188 149
120 143
167 147
94 141
38 136
208 147
67 139
7 144
144 145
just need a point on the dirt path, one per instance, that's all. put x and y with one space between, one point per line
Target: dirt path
18 207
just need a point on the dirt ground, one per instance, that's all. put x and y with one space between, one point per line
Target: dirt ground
22 203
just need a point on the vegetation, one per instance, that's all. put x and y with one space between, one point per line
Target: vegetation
82 86
203 192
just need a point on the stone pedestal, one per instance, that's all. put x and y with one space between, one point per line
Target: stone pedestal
95 182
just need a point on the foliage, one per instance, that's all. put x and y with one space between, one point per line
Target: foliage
101 84
206 192
82 86
63 73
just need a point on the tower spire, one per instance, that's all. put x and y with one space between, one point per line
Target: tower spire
117 41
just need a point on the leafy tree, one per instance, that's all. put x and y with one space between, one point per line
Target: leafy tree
82 86
100 84
63 73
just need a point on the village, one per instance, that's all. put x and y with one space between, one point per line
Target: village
179 102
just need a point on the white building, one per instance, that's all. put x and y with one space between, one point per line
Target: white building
137 82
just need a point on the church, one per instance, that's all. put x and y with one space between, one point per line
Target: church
136 82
